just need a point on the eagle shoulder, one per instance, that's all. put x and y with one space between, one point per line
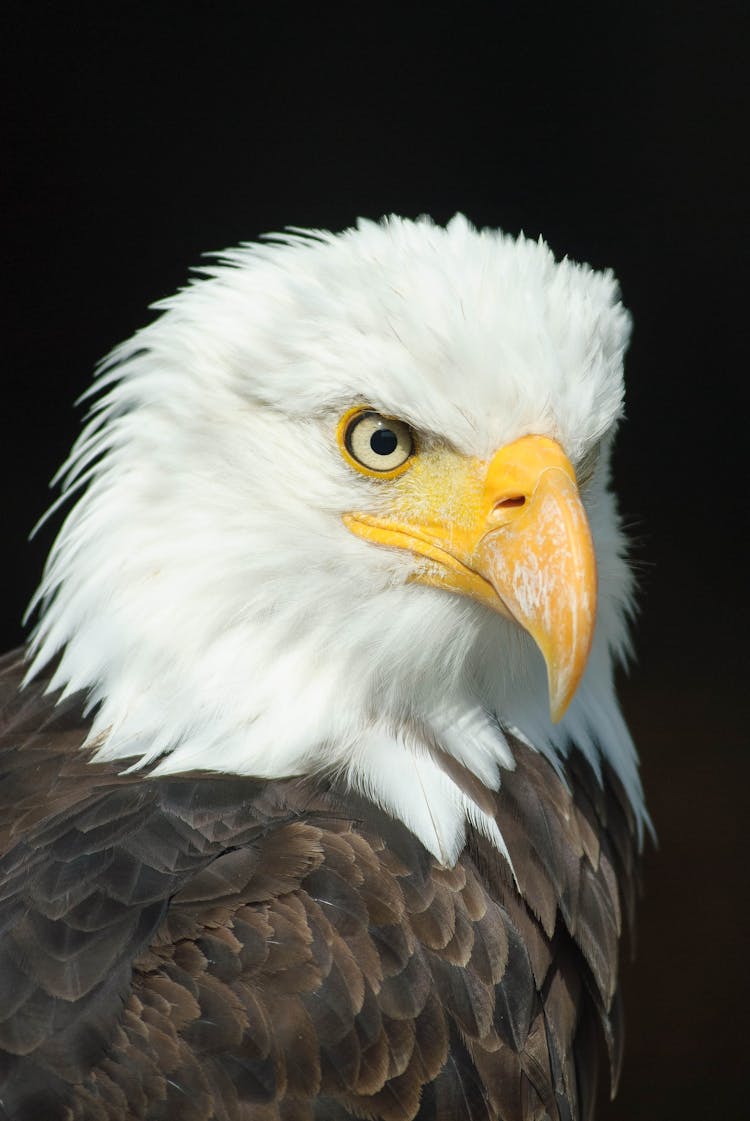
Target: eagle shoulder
204 946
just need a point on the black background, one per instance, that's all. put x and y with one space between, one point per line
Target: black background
140 136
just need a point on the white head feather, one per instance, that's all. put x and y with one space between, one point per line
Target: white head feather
204 590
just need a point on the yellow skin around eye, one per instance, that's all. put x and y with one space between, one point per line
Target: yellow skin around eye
510 532
442 492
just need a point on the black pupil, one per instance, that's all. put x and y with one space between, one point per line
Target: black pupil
383 441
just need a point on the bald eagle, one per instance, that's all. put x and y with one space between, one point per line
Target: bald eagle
317 802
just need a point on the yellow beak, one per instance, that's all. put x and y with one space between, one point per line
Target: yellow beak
510 532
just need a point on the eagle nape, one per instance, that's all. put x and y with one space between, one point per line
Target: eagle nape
317 801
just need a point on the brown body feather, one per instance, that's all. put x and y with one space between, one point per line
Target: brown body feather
216 947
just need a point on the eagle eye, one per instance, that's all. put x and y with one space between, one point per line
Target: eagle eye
375 444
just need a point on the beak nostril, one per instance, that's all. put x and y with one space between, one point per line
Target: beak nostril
516 500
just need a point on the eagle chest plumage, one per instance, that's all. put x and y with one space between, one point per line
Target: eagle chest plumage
316 801
197 947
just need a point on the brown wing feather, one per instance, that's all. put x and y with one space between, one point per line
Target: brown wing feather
215 948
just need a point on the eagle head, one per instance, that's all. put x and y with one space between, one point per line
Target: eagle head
344 508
